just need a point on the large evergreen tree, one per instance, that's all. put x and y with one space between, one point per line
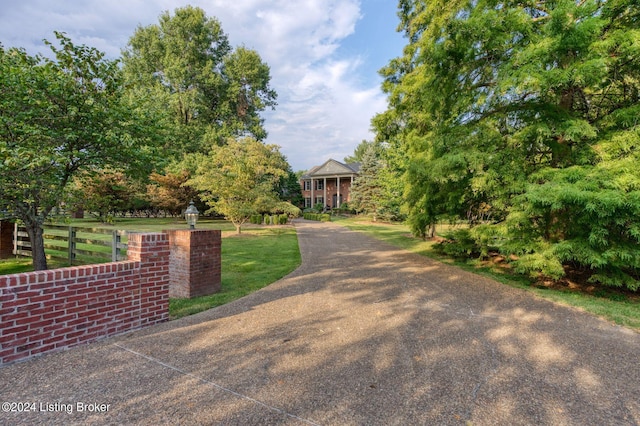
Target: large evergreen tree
367 194
524 114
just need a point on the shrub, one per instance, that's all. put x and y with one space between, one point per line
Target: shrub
459 244
322 217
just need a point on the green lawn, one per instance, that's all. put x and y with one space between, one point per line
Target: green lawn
609 304
250 262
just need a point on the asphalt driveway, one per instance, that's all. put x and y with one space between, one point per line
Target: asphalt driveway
361 334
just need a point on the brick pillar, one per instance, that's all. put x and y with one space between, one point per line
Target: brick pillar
152 251
195 262
6 239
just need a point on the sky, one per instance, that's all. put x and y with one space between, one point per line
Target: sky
324 56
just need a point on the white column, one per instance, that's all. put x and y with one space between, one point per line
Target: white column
312 193
325 193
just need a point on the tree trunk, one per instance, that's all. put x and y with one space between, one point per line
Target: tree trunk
431 232
36 238
238 229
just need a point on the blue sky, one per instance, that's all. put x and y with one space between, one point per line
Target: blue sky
324 56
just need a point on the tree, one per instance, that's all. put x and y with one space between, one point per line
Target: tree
106 193
523 114
239 179
215 92
58 118
289 189
367 191
169 192
358 152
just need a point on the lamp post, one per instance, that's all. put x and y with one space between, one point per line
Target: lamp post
191 215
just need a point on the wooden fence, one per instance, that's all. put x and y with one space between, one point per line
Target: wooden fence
75 244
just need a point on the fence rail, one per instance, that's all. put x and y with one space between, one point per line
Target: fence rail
60 239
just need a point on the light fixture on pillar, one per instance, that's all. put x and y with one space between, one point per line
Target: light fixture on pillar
191 215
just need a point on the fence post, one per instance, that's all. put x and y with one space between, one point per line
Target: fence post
72 245
15 238
115 245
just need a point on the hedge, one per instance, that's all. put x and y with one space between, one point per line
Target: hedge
322 217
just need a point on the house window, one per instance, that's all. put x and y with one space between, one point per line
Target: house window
320 200
307 203
307 185
319 184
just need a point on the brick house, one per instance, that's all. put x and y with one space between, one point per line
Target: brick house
328 184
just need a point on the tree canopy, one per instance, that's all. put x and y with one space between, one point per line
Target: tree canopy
57 118
367 194
523 116
213 90
240 178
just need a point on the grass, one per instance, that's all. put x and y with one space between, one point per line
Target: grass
15 266
23 264
250 262
619 308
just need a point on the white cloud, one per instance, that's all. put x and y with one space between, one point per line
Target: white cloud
323 109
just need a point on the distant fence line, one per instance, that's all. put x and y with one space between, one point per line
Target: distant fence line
69 236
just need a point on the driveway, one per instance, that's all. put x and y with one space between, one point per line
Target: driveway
361 334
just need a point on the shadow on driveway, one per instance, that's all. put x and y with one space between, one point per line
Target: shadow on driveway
361 333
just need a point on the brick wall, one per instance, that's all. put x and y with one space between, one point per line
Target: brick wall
45 311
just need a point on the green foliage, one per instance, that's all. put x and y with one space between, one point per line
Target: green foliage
58 118
286 208
458 244
321 217
359 152
367 192
238 179
289 189
185 62
524 118
106 193
377 191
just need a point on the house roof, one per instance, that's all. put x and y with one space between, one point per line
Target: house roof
332 167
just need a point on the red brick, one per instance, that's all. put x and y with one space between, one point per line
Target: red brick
42 349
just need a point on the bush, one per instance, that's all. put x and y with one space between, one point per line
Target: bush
321 217
459 244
